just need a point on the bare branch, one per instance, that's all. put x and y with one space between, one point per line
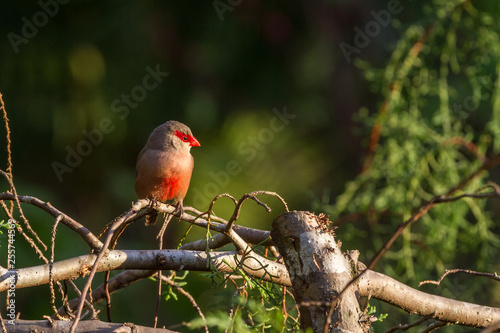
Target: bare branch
414 301
57 326
250 235
434 326
494 327
116 283
148 260
252 195
407 326
240 244
7 135
371 283
9 177
494 276
424 209
136 207
87 236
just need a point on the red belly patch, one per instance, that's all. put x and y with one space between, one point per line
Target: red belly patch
170 188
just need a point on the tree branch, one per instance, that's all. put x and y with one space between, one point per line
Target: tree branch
493 276
371 283
85 326
147 260
413 301
120 281
87 236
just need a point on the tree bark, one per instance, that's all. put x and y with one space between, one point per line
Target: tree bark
84 326
80 266
414 301
319 271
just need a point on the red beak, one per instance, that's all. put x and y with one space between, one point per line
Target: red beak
193 142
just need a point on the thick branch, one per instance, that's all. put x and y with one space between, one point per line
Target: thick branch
85 326
319 272
371 283
147 260
387 289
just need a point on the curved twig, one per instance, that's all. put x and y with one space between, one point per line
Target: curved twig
131 213
252 195
493 276
87 236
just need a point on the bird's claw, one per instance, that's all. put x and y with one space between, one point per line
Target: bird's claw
179 210
153 203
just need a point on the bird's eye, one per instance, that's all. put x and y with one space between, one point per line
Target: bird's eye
183 136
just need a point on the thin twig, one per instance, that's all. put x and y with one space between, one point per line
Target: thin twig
252 195
51 263
237 209
108 296
469 145
493 276
26 237
130 214
434 326
170 282
240 244
4 329
407 326
67 309
8 177
422 211
7 137
488 165
117 282
159 237
87 236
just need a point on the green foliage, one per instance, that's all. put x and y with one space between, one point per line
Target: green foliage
255 305
439 120
247 315
3 225
372 310
179 280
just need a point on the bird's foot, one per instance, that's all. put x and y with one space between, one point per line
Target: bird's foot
153 203
179 210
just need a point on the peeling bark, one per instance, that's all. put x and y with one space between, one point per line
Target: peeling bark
319 271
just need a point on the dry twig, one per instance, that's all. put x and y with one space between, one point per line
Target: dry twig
170 282
494 276
407 326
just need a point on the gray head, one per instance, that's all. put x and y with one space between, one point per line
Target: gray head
172 134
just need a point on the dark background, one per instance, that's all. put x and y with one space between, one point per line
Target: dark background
227 70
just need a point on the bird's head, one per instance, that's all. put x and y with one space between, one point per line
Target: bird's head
172 134
179 135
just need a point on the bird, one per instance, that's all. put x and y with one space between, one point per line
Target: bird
164 166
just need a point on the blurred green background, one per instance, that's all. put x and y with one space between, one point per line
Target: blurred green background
264 86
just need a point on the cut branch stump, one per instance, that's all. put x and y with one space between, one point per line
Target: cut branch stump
319 271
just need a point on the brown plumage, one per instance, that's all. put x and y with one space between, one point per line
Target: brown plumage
165 164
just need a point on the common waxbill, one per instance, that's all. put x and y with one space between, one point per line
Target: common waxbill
164 166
